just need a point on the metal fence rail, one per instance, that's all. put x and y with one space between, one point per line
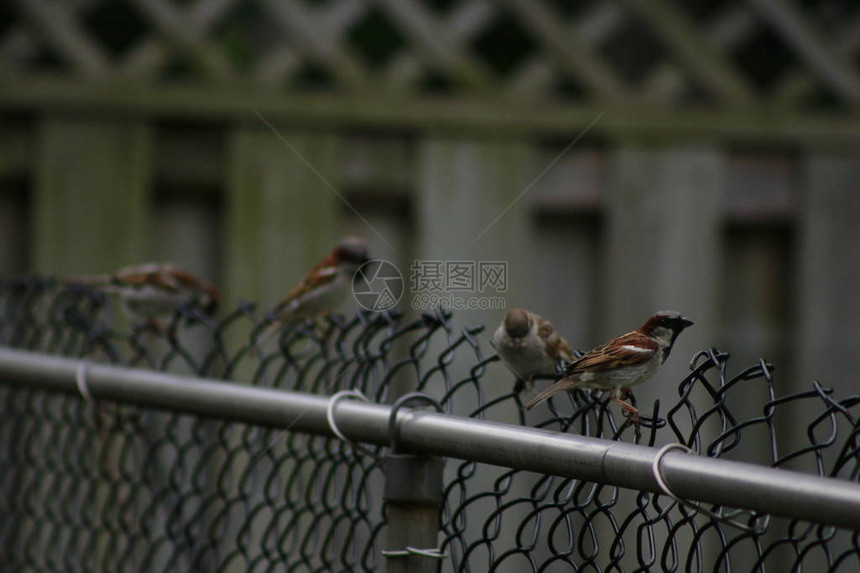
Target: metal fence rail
165 472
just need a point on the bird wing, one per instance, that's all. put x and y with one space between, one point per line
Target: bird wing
196 285
324 272
155 275
169 278
626 350
556 346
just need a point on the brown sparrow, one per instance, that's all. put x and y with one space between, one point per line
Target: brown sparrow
530 346
154 290
622 362
324 288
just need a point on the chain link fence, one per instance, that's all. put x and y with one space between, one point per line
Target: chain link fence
93 485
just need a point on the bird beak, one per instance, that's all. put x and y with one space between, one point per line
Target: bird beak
685 322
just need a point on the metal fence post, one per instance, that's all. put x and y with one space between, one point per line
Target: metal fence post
413 497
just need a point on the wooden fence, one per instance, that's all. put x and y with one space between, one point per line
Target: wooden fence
621 156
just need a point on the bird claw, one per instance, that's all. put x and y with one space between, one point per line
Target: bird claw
632 415
633 418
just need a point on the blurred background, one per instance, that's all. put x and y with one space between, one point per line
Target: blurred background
621 156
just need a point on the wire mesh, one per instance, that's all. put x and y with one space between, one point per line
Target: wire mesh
98 486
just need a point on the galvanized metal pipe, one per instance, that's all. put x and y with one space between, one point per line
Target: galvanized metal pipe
779 492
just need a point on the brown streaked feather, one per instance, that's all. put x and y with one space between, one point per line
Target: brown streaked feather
556 346
159 275
166 276
623 361
550 391
213 297
324 272
612 354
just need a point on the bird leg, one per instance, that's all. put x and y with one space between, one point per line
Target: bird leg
629 410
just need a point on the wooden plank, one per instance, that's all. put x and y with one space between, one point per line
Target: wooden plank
828 308
756 286
488 116
186 233
280 217
472 205
567 249
89 212
756 322
566 255
90 196
663 238
663 244
464 185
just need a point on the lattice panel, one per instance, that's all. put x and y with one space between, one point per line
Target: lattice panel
723 53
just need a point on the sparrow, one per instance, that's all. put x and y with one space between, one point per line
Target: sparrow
622 362
154 291
324 288
530 346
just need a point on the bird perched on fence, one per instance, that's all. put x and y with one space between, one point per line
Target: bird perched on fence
324 288
154 291
622 362
530 346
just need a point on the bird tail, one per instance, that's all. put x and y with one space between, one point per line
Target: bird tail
563 384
